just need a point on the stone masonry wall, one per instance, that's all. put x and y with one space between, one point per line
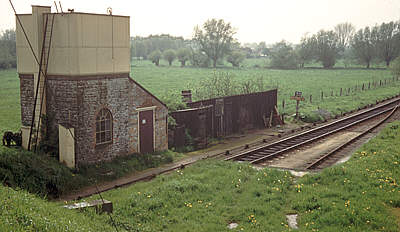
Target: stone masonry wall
140 98
27 98
95 95
76 102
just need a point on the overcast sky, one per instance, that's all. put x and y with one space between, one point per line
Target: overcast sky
255 20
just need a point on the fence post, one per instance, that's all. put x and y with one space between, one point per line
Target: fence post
363 87
380 82
310 98
369 85
322 95
341 91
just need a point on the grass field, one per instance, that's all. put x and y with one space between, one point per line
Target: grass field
165 80
356 196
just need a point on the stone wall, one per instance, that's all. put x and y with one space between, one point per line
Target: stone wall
76 101
140 98
27 97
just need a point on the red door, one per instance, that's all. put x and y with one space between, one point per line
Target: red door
146 131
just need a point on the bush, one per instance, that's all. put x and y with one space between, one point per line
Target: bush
311 117
235 58
283 56
37 173
45 176
199 59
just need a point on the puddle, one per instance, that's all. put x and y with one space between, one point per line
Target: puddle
292 220
233 225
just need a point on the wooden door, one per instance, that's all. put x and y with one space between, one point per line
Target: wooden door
146 131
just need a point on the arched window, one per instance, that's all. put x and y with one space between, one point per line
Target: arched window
103 127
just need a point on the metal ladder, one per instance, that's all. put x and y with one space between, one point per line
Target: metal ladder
41 82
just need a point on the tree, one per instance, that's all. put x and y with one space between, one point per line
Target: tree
387 41
326 48
235 58
183 55
305 50
139 48
169 55
363 46
345 33
214 39
395 67
155 57
262 49
143 46
8 57
200 59
283 56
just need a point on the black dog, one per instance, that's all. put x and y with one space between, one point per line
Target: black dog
9 137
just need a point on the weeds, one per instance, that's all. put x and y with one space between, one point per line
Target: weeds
45 176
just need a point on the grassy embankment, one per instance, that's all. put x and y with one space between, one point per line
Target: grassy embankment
359 195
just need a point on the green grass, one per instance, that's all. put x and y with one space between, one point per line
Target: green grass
164 81
205 197
356 196
10 110
22 211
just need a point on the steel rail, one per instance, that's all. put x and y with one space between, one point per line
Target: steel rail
323 158
286 147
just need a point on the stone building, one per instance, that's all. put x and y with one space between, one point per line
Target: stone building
84 87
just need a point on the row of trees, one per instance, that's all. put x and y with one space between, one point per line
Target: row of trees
142 47
380 43
210 44
215 41
8 58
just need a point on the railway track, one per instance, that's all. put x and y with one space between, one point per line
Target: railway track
329 159
278 148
